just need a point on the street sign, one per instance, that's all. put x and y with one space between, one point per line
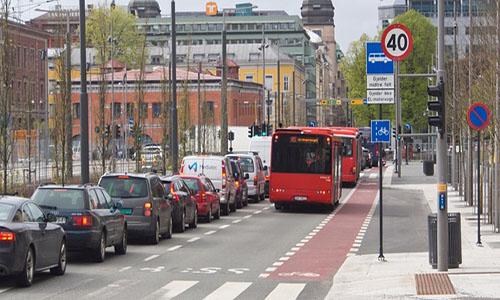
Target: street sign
312 124
380 131
358 101
380 81
380 97
376 61
397 42
478 116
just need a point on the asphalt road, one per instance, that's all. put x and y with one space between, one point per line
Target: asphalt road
255 253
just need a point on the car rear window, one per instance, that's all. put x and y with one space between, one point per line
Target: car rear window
166 185
5 211
125 187
246 164
59 199
192 184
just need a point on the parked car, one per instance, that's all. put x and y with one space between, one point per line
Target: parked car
184 210
146 207
241 185
92 220
251 164
367 158
29 243
207 198
218 170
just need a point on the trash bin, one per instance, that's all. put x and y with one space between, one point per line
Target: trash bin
428 167
454 240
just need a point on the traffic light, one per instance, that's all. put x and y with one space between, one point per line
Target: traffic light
437 106
118 129
251 131
257 130
263 129
393 132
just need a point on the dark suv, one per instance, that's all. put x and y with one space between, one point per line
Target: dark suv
89 216
145 204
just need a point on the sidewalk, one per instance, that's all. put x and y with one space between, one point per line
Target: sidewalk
364 277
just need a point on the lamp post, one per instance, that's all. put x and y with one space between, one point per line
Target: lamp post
262 48
84 102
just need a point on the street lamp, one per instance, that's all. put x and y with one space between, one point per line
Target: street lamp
262 48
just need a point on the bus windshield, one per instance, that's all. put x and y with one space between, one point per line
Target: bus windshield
306 154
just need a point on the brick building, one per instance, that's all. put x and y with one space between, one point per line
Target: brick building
243 101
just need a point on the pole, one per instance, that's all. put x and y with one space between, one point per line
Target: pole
84 102
470 156
268 109
454 96
442 159
380 186
224 125
113 129
396 117
399 119
293 99
497 128
69 120
479 198
174 147
279 90
199 110
263 67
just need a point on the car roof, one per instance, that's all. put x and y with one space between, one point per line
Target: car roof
136 175
13 200
204 157
69 187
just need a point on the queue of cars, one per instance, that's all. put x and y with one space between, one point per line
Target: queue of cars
37 233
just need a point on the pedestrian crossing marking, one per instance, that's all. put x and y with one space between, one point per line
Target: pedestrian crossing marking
228 291
175 288
286 291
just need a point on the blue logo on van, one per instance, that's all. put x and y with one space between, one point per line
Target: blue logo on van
193 166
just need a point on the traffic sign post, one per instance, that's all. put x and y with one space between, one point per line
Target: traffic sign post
478 117
379 75
380 131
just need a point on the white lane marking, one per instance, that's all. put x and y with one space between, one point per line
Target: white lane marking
356 245
271 269
237 221
4 290
277 264
373 175
308 237
228 291
151 257
290 253
286 291
122 269
358 240
266 208
175 288
263 275
193 239
246 217
174 248
354 250
257 212
210 232
299 244
315 230
313 233
304 241
295 248
363 231
284 258
224 226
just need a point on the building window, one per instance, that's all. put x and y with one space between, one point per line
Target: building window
75 111
212 27
249 77
156 110
251 26
117 109
130 110
210 107
318 32
198 57
253 56
286 84
144 110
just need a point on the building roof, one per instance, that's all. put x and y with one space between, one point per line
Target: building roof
145 8
391 3
317 12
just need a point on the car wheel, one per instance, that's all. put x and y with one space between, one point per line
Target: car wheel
246 199
121 248
278 206
232 207
155 238
100 251
25 279
181 227
217 214
209 215
194 223
61 265
239 203
226 209
169 232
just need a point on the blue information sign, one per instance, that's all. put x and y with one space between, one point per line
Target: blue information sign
376 61
380 131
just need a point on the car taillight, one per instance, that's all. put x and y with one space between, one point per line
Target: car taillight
182 168
224 175
255 180
203 196
6 236
354 170
237 184
148 207
82 221
174 195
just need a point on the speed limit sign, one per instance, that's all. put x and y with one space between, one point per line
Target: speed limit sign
397 42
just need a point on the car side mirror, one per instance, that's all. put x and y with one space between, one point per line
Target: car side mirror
119 204
217 190
50 217
247 176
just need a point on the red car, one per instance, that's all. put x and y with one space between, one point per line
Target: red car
207 198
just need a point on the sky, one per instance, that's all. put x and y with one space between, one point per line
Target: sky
352 17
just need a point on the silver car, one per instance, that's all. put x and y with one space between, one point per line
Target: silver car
251 164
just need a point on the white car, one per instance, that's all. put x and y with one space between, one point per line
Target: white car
251 164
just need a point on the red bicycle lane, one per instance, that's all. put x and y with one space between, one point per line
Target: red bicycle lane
324 253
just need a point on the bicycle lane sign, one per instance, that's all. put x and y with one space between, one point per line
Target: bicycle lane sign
380 131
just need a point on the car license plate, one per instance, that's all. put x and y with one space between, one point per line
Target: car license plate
126 211
300 198
61 220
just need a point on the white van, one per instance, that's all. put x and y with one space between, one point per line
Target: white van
218 170
262 146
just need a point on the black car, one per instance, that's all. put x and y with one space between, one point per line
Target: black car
185 210
29 243
145 205
92 220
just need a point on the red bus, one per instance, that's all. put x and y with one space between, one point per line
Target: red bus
352 156
306 167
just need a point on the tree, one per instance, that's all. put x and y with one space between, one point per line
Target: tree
114 34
